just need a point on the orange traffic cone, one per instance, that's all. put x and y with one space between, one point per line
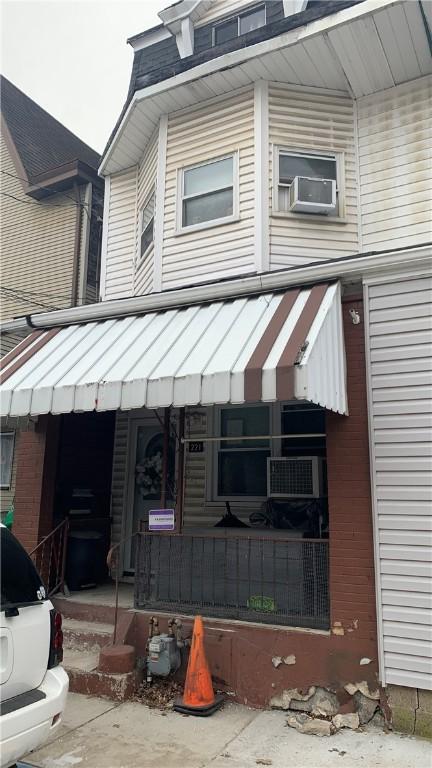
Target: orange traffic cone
198 696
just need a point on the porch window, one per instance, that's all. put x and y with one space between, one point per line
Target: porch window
7 440
208 193
242 464
313 165
147 225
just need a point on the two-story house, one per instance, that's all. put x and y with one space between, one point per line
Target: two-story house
264 343
50 229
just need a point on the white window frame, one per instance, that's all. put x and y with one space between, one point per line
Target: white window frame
10 433
140 256
274 449
340 183
238 16
182 229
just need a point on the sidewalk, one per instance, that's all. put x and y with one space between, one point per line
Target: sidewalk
97 733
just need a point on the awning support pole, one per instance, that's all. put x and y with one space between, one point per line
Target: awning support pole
180 471
165 449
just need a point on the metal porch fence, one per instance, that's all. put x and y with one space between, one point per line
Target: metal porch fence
268 580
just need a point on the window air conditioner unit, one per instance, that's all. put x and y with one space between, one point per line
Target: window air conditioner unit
309 195
295 477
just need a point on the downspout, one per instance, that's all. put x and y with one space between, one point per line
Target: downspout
77 248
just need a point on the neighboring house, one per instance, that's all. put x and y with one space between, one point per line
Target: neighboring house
51 215
266 285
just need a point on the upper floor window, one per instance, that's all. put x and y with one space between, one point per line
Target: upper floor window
308 182
208 193
239 25
147 225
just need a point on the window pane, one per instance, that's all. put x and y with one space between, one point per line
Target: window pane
226 31
215 205
147 237
208 177
294 165
20 581
6 456
252 20
245 422
148 213
242 473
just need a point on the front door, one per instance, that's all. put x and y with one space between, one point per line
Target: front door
145 480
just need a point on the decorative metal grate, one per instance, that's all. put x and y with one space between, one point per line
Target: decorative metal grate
269 580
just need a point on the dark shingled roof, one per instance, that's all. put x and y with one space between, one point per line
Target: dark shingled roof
161 61
42 143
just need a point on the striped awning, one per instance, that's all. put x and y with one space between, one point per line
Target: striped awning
270 347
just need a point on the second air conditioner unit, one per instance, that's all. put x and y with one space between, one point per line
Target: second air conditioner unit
296 477
308 195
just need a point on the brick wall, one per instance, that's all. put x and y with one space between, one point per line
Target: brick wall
352 578
36 458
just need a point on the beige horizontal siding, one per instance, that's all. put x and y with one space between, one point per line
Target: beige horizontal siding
122 227
305 120
395 156
143 278
205 133
37 243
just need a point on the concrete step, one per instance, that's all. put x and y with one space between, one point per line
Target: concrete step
80 611
84 677
86 635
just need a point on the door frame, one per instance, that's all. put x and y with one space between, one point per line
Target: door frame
149 421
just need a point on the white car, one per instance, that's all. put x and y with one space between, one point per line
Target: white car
33 685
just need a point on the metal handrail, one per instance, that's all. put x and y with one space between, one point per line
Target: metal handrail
113 560
57 553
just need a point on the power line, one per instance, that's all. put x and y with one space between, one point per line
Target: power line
26 300
40 186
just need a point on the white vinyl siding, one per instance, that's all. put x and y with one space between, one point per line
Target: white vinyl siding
122 232
37 240
399 332
395 155
219 9
302 120
143 279
217 129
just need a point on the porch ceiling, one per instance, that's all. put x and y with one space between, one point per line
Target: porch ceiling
275 346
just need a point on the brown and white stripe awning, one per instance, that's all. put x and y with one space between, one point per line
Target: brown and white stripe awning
270 347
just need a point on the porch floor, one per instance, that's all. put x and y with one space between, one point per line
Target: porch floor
104 594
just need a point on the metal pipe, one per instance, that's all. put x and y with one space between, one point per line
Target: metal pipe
242 438
165 450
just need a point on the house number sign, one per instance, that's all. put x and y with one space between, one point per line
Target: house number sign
197 446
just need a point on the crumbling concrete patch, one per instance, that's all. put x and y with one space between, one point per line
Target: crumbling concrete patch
322 703
363 687
365 661
314 727
289 659
350 720
276 661
365 707
284 700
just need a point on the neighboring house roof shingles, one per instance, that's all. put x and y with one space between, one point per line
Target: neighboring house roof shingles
42 142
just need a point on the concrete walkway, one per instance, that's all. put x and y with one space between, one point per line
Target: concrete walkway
101 734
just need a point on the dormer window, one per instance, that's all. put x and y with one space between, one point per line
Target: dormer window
239 25
147 225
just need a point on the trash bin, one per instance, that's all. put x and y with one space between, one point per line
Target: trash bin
85 563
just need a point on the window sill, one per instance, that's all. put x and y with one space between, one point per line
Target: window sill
206 225
309 217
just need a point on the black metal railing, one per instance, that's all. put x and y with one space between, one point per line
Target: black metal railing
269 580
49 557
